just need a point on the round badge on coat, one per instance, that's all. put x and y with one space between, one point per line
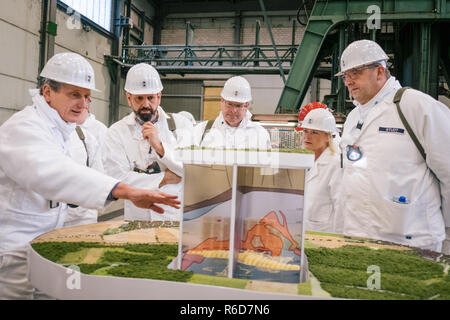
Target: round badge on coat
353 153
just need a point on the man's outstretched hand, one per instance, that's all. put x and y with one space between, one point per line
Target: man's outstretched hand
146 199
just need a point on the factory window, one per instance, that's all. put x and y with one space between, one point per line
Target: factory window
99 11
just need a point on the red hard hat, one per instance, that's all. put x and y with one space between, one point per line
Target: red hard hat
307 108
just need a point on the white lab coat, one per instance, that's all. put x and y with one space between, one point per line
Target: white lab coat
392 166
184 131
322 193
125 148
248 134
35 168
94 132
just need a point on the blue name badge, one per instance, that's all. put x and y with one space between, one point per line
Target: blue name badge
391 130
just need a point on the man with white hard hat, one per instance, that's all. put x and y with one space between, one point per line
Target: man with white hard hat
324 178
38 177
233 127
396 180
139 149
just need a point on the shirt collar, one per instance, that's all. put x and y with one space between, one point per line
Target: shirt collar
52 115
323 158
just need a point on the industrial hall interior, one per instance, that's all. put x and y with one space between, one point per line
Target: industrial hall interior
225 150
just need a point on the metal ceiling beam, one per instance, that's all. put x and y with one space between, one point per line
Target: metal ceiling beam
322 72
328 15
169 7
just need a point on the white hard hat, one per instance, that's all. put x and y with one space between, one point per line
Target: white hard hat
237 89
319 119
142 78
361 52
70 68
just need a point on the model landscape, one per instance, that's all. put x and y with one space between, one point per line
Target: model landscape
338 265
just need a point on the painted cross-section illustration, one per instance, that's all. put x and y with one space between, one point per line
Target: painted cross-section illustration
268 207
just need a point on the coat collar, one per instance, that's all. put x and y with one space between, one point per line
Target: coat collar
53 117
324 159
377 103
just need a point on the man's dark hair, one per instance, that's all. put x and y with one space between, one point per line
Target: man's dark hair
54 85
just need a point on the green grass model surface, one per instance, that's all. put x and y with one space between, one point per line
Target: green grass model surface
342 271
404 274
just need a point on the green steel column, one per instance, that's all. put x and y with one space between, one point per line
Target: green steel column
48 33
302 71
340 84
294 26
237 36
115 69
126 33
434 61
444 58
373 34
425 57
257 28
187 50
334 69
42 40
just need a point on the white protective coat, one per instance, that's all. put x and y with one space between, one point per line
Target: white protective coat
184 130
248 134
322 193
35 167
125 147
94 132
392 166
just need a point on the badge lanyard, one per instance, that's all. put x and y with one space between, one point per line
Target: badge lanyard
354 152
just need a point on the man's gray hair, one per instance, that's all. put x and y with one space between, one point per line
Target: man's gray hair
54 85
387 73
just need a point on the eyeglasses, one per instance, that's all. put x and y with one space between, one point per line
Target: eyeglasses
356 72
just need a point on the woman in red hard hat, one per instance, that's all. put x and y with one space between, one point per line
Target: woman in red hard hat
323 179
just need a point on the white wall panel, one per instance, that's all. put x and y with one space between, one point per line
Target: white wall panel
25 14
14 93
19 53
19 43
